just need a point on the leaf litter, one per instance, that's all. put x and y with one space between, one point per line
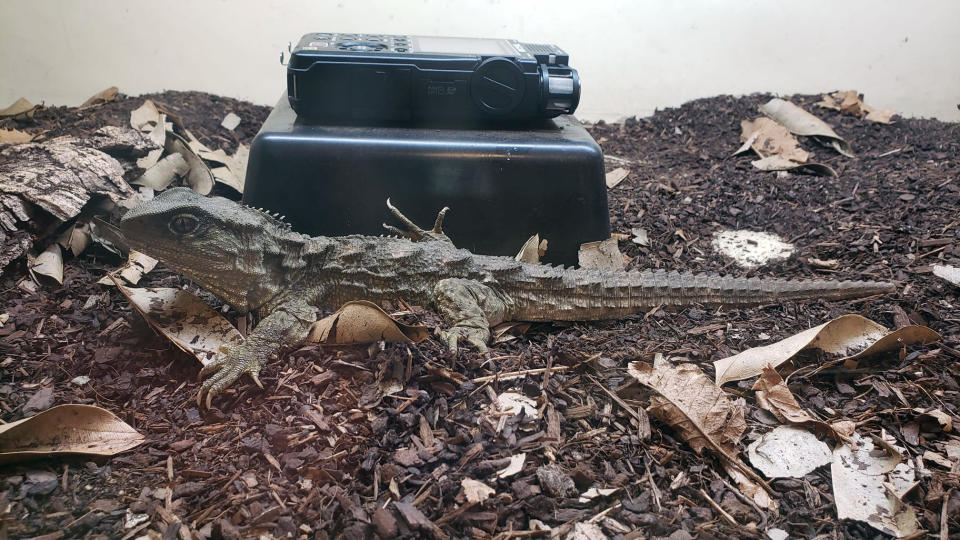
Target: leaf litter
597 431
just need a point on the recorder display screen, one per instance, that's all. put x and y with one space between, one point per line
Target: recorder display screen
464 45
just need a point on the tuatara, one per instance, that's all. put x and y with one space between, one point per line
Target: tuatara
254 261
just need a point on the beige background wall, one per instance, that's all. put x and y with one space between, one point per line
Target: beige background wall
633 57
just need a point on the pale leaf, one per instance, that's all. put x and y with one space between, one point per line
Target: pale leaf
363 322
841 336
602 255
614 177
189 322
475 491
515 466
14 136
164 172
860 478
20 107
788 452
49 264
133 270
771 139
530 252
101 97
800 122
951 274
199 177
514 404
66 429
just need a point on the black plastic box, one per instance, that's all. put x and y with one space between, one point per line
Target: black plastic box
502 185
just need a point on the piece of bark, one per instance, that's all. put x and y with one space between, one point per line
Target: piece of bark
417 521
61 175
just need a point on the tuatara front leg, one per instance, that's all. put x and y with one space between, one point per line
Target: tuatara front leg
470 308
412 231
285 327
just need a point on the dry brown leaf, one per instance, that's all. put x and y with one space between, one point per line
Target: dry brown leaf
841 336
48 264
14 136
800 122
234 170
614 177
189 322
851 102
768 138
20 108
66 429
942 420
532 250
602 255
703 415
774 396
363 322
512 468
101 97
508 331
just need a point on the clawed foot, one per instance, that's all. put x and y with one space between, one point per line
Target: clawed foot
474 337
224 370
415 233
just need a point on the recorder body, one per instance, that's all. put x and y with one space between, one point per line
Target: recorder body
375 77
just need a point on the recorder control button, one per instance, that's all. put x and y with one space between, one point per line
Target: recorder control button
361 46
497 86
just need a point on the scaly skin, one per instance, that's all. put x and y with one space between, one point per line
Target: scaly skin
253 261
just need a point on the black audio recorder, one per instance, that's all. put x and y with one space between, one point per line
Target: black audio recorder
376 77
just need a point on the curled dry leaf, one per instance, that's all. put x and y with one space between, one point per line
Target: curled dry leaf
234 168
800 122
199 177
774 396
66 429
508 331
602 255
868 484
841 336
363 322
532 250
133 270
616 176
165 171
76 238
788 452
702 414
475 491
189 322
48 265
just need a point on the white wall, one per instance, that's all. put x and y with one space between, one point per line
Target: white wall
633 57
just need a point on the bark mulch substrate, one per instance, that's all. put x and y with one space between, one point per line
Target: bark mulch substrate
322 452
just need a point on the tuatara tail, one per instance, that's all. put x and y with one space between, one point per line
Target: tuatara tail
594 295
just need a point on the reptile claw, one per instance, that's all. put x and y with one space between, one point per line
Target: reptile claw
224 371
474 337
414 232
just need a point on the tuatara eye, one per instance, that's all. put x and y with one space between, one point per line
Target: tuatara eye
183 224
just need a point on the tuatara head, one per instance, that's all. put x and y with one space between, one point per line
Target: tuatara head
221 245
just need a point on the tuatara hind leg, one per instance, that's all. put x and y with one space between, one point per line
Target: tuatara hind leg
412 231
286 326
470 308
